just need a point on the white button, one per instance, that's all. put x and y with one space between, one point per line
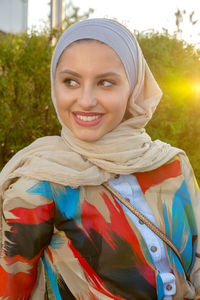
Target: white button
153 248
169 287
169 282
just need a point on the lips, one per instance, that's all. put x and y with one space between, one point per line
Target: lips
87 119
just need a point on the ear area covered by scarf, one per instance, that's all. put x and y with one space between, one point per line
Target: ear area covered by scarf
146 94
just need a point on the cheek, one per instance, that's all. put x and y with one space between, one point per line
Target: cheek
62 99
120 104
59 93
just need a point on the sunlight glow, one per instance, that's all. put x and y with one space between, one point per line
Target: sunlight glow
185 89
196 88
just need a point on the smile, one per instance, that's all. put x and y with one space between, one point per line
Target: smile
87 119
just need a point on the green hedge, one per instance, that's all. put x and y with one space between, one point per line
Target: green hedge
26 111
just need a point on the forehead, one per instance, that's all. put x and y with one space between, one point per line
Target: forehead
89 50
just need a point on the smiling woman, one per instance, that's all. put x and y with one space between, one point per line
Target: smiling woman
60 208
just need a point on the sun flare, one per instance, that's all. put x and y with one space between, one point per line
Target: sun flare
196 88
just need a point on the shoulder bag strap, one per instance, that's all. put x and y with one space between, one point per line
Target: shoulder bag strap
146 221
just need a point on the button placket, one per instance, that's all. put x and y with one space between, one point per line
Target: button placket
168 280
154 248
153 243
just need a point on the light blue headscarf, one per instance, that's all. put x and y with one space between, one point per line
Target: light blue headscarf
115 35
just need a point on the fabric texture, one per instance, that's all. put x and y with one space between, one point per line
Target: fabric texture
90 247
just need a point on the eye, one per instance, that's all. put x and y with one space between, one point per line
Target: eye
71 82
106 83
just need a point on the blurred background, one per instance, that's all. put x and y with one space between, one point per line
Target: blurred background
183 15
168 33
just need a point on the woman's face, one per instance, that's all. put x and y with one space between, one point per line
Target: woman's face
91 89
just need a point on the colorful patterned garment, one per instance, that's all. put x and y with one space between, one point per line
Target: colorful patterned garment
89 247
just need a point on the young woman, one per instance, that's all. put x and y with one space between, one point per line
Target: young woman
56 213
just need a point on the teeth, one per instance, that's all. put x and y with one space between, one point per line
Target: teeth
87 119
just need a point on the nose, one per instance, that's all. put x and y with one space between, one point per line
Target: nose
87 99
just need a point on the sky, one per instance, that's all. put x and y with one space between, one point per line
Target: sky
141 15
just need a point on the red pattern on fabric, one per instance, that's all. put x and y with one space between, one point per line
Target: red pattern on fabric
119 225
18 285
35 216
151 178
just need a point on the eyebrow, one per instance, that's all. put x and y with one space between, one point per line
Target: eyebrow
70 72
107 74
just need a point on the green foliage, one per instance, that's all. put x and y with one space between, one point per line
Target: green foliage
26 112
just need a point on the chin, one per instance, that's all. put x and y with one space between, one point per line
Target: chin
88 138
